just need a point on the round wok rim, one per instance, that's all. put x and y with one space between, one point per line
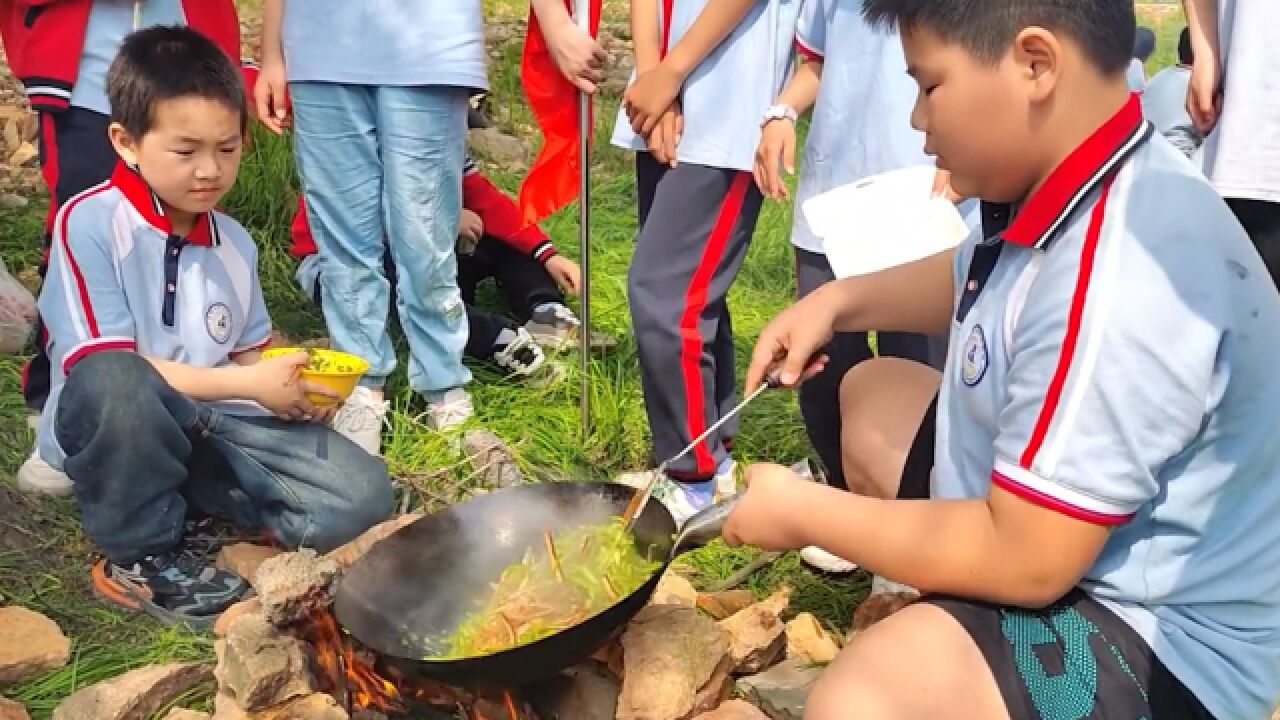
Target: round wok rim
440 666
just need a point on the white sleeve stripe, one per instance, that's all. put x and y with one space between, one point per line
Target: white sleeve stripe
807 49
1101 293
78 352
1056 496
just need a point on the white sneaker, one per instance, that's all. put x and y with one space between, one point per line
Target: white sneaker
683 500
360 419
38 476
521 357
819 559
727 480
450 412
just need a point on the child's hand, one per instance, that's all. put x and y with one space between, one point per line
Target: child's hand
277 387
777 149
791 341
271 93
470 227
666 134
763 517
579 56
650 96
566 273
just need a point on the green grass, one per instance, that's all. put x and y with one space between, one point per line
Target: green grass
44 556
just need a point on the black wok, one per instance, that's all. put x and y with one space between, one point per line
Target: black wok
410 591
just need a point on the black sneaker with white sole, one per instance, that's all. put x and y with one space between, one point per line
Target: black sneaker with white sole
175 587
520 355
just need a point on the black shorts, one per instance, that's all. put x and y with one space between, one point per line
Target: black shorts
1074 660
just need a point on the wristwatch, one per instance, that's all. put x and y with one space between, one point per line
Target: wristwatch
778 112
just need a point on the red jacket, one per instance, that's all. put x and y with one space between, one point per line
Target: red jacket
43 40
497 211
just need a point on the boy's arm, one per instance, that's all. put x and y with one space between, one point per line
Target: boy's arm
1080 443
654 91
646 35
270 90
915 297
500 216
1204 92
777 148
579 57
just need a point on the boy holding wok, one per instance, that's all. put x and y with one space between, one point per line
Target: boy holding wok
159 399
1099 539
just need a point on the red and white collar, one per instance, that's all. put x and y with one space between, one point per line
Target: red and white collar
1046 210
143 199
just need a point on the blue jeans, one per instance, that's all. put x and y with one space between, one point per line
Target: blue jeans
387 162
139 453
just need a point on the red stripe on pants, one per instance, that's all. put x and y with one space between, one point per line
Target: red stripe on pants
695 300
49 168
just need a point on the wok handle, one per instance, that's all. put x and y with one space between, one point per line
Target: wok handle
705 526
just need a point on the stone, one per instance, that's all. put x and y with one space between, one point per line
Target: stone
490 459
222 625
808 640
12 134
758 635
586 691
30 644
293 585
610 656
316 706
720 605
495 145
674 589
226 708
734 710
879 606
25 153
715 691
244 559
12 710
135 695
346 555
781 691
185 714
259 666
669 653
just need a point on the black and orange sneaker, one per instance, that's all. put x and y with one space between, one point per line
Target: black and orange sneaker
175 587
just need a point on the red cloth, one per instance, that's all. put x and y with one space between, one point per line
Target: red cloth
552 181
479 195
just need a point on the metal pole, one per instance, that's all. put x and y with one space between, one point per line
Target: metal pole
582 15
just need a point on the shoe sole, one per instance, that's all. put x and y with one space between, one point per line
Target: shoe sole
136 599
846 568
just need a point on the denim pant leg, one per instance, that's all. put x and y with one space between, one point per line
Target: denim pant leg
422 133
336 145
310 486
127 438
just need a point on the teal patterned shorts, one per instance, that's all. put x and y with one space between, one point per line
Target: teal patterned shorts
1074 660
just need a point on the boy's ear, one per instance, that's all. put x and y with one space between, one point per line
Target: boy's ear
1038 53
124 143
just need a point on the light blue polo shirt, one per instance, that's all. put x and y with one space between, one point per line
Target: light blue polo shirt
1113 358
109 22
119 280
385 42
861 124
725 97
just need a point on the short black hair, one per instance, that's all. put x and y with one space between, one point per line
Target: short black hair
1144 43
1105 29
1185 55
168 62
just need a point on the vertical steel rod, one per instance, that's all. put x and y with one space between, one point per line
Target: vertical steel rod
582 15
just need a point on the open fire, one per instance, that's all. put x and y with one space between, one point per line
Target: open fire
352 677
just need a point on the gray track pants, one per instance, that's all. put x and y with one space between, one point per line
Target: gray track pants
695 225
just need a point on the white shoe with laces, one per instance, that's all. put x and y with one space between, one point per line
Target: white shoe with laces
451 411
361 418
521 356
38 476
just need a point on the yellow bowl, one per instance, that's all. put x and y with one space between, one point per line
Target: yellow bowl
335 370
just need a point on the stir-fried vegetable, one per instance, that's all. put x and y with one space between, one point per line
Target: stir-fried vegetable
562 582
330 363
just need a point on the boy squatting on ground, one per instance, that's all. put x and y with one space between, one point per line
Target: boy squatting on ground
155 314
60 51
706 71
854 77
529 271
1101 539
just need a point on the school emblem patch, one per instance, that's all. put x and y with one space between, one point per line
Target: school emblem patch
973 365
217 320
